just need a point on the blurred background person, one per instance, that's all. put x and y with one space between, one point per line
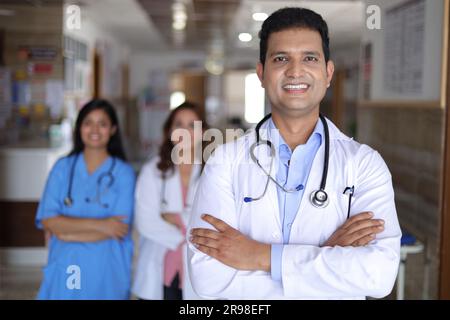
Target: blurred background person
164 194
87 207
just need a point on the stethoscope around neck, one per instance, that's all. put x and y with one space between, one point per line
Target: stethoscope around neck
108 176
163 201
318 198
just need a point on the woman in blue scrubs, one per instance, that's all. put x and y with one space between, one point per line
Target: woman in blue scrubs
87 206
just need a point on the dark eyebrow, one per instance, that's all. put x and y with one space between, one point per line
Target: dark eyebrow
278 53
312 53
307 53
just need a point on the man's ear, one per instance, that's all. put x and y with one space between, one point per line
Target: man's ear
330 72
260 72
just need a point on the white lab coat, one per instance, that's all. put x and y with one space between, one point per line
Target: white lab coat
157 235
309 271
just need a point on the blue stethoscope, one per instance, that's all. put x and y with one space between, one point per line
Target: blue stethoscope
104 177
318 198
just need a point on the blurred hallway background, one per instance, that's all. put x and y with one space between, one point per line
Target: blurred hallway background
390 90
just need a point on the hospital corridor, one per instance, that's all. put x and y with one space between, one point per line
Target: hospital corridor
140 139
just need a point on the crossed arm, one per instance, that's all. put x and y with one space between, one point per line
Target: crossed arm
234 249
86 230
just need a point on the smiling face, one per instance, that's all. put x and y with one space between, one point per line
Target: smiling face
96 129
295 74
184 119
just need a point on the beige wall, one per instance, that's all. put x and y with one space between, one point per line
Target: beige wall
411 142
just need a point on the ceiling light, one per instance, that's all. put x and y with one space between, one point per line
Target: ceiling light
245 37
179 15
179 25
178 6
215 65
259 16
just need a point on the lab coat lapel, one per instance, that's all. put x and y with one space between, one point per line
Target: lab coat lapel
193 181
172 193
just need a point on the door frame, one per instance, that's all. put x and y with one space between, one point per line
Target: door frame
444 268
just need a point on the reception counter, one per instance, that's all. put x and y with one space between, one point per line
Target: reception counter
24 169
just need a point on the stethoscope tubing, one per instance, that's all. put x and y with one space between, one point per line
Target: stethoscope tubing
319 198
68 201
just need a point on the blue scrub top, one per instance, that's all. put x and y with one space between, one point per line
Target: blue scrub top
88 270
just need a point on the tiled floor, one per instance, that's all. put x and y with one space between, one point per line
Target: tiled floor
19 282
22 283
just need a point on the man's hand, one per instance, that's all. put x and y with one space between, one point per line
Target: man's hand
357 231
231 247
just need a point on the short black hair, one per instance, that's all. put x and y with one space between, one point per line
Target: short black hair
115 146
293 17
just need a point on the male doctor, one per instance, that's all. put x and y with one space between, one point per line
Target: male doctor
249 240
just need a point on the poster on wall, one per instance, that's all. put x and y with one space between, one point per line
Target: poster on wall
404 48
39 53
38 91
153 106
55 97
5 96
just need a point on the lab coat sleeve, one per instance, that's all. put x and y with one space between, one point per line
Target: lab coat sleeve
209 277
125 202
50 204
148 219
340 272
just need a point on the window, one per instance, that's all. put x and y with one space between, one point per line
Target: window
254 99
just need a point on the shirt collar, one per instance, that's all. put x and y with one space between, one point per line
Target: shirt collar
282 147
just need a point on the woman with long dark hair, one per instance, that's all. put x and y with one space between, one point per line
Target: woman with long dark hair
87 207
164 191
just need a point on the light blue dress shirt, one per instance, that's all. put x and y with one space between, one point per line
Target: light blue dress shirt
292 172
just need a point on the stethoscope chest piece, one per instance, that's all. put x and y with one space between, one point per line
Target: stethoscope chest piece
319 199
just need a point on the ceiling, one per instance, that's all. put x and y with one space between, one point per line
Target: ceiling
216 24
207 24
31 2
211 25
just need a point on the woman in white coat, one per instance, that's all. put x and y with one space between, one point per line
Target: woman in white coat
164 194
